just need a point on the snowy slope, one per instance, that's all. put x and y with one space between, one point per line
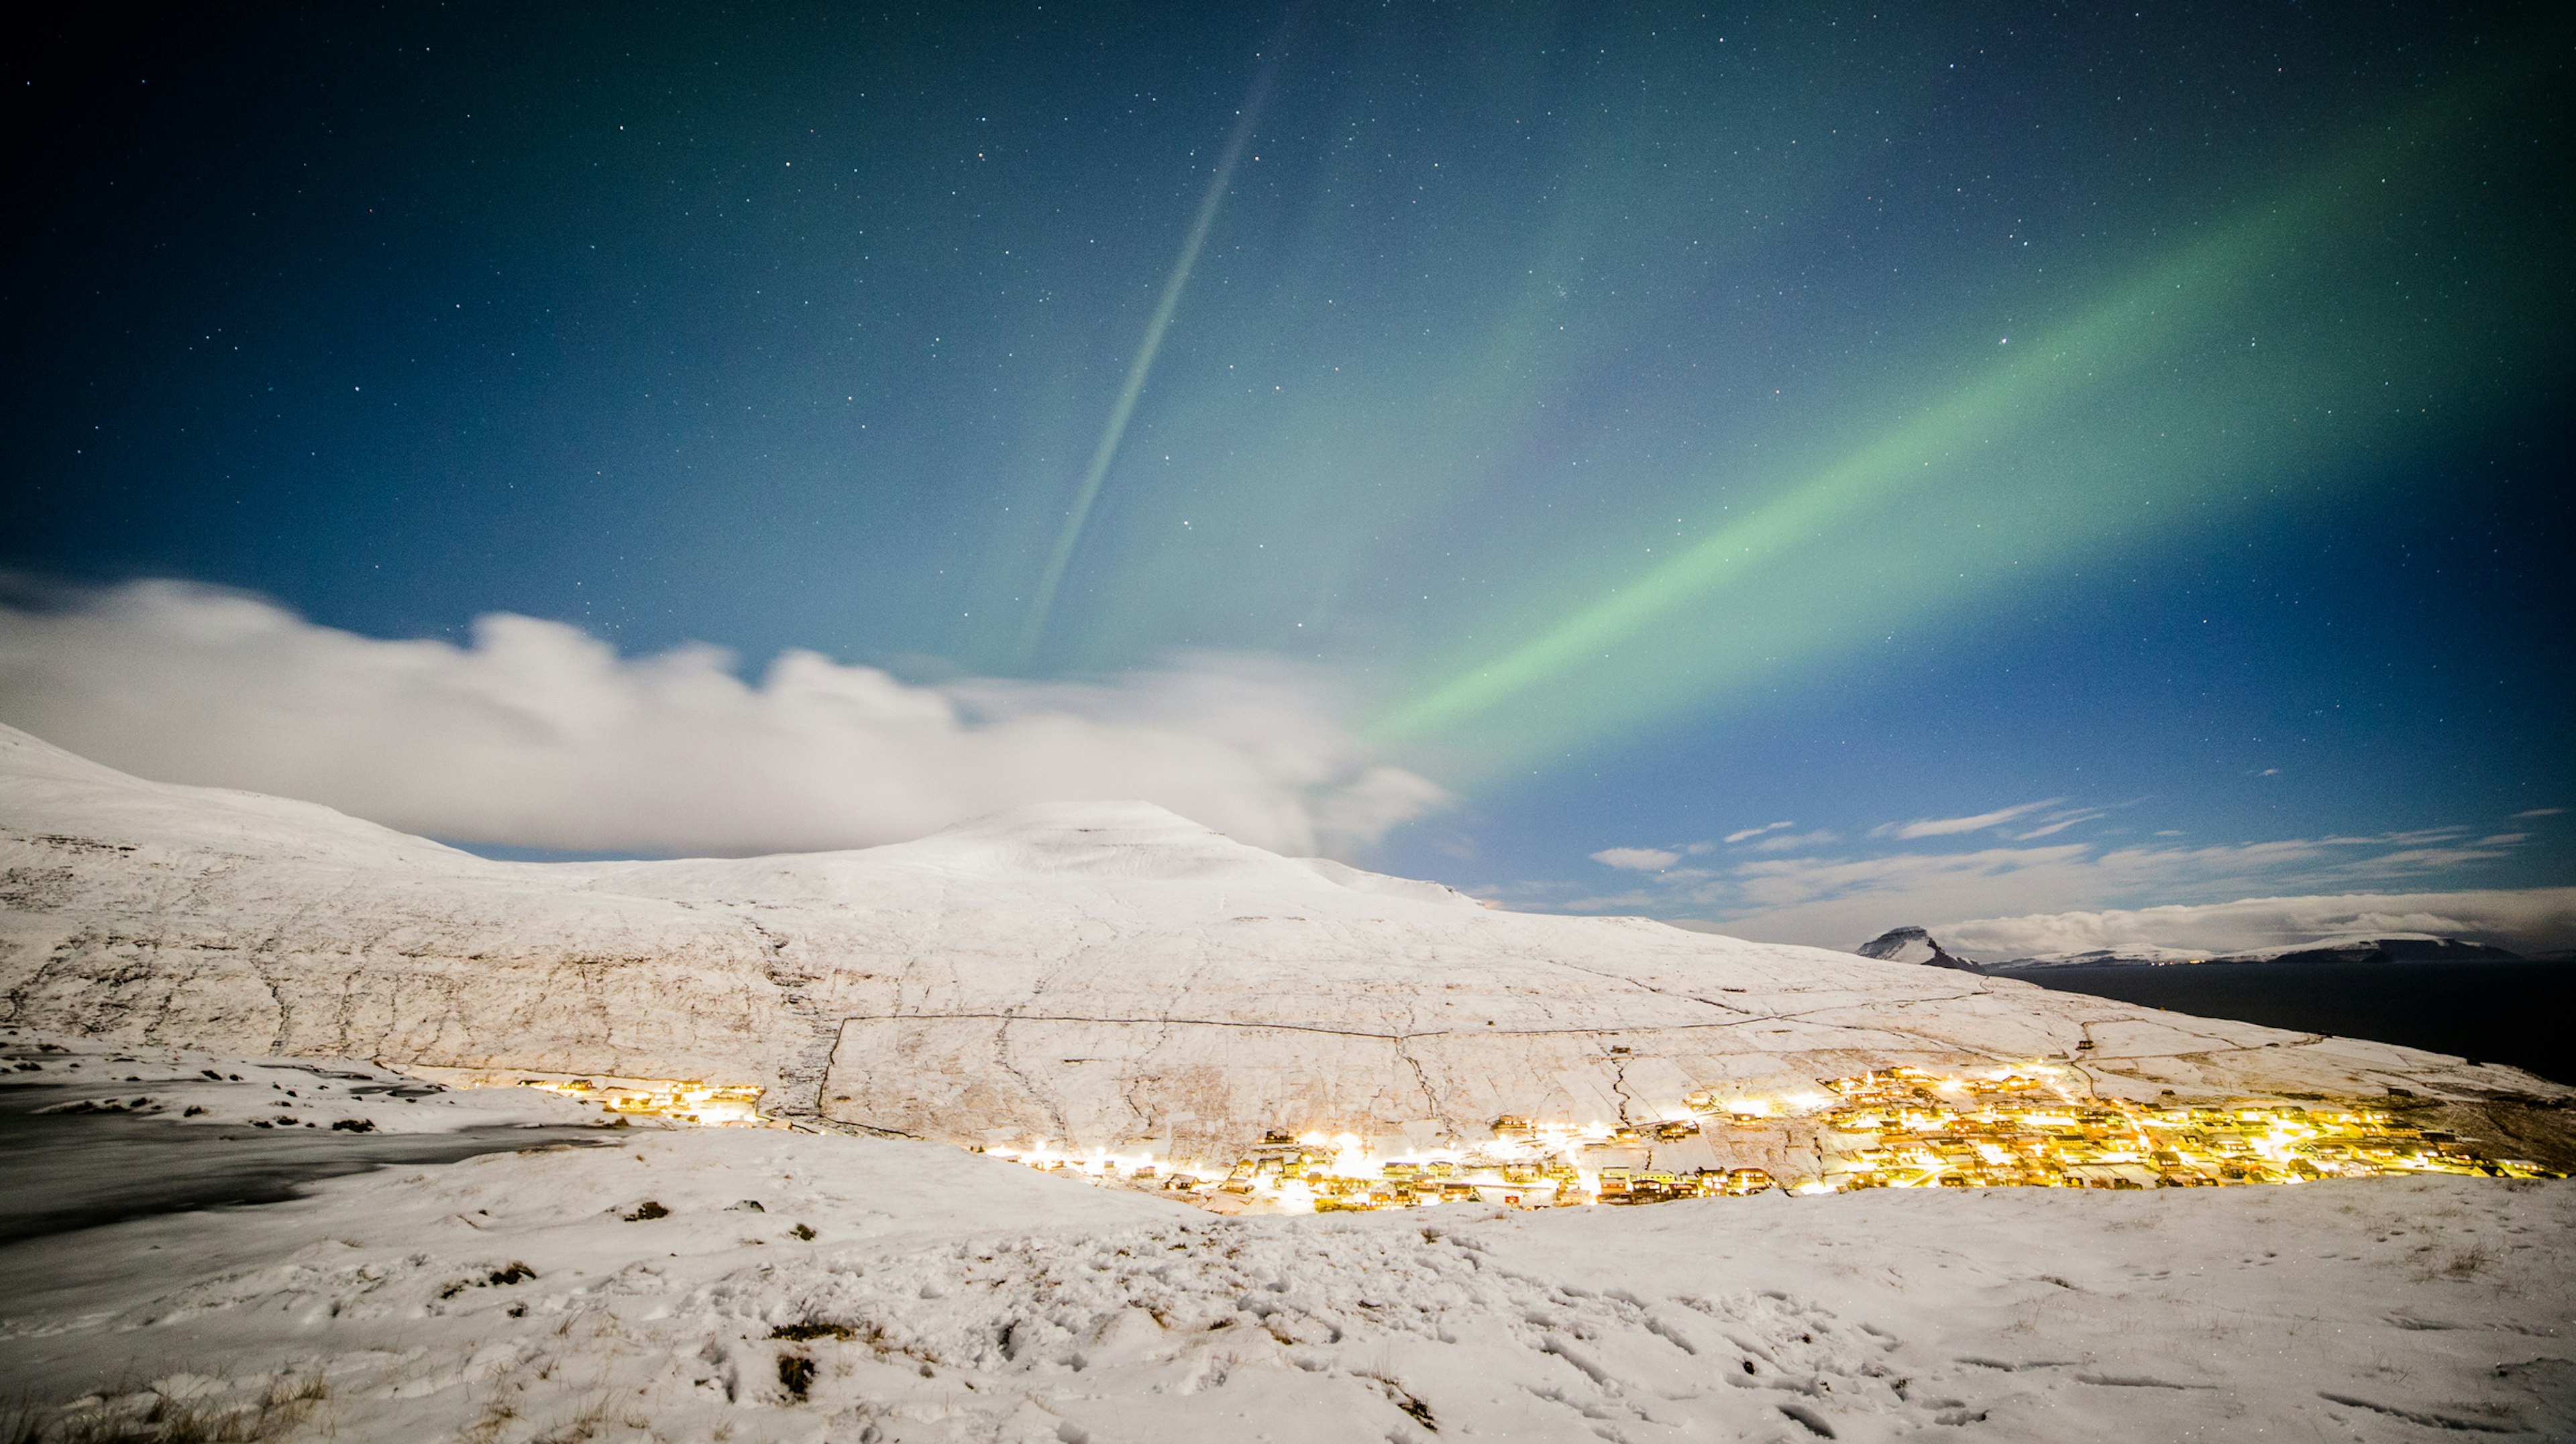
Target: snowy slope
919 1293
1091 975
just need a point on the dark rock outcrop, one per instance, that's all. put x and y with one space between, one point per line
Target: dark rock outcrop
1912 945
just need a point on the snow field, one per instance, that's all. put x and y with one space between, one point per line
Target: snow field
1111 977
514 1298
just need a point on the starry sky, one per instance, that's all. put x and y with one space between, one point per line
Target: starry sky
1793 465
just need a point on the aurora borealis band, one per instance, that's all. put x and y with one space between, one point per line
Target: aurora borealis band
2163 390
1650 423
1123 410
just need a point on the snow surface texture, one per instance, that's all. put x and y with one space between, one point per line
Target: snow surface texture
205 1090
650 1290
1087 975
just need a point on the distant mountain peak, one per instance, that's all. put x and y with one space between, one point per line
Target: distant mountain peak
1911 945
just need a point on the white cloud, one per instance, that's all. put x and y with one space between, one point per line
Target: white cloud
1636 859
1794 841
2523 919
1950 826
2538 812
1757 831
2057 825
538 734
1837 901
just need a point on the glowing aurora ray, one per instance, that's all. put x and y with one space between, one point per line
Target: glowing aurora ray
1106 452
1697 623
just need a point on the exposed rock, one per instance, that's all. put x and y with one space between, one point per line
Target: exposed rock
1911 945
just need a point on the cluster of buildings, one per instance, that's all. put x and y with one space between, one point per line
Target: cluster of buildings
719 1105
1906 1128
1524 1168
1889 1128
1525 1165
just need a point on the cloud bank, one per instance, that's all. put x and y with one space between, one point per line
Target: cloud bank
2522 919
537 734
2044 888
1636 859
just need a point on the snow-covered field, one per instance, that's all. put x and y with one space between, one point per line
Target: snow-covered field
272 978
793 1286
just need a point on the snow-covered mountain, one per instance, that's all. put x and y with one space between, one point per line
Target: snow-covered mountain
2396 948
1917 946
1911 945
1087 974
2376 948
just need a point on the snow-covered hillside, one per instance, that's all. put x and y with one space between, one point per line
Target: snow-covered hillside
1094 976
787 1287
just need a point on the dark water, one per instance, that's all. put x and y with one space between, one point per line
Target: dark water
60 1172
2493 1012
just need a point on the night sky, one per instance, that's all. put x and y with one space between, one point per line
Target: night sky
1655 424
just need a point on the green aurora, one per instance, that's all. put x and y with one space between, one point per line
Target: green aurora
2272 351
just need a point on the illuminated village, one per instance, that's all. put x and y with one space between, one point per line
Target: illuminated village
671 1100
1890 1128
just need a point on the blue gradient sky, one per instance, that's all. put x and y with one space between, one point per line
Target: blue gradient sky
1663 421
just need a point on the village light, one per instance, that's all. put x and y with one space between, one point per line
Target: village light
676 1100
1894 1127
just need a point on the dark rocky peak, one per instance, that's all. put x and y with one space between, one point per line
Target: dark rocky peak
1912 945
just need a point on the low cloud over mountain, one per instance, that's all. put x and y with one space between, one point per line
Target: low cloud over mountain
539 734
2528 920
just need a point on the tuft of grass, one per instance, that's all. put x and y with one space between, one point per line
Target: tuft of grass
285 1404
591 1421
516 1272
805 1329
496 1417
795 1375
2469 1262
1381 1371
645 1212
